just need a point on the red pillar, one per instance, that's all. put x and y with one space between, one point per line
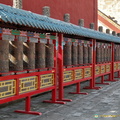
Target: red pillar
60 69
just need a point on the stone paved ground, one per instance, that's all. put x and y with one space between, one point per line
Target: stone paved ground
103 102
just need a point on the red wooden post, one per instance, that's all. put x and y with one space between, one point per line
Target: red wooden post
27 108
28 103
15 39
0 36
17 86
78 90
60 68
102 81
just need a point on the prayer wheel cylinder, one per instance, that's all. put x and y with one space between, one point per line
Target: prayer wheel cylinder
119 53
108 52
108 56
102 55
115 54
29 55
80 54
85 54
16 55
49 55
40 55
4 56
90 55
105 52
98 54
109 49
67 55
74 54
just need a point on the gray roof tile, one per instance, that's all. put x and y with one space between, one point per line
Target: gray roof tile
27 18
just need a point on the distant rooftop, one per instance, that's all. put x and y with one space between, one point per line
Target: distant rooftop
109 19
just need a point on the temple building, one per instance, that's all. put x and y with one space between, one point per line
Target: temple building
108 14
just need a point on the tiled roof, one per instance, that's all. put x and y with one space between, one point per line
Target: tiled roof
12 15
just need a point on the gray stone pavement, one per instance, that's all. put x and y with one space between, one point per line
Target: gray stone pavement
104 103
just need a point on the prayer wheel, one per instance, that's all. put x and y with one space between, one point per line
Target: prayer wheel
85 54
89 54
108 56
115 53
109 53
119 53
4 56
49 55
98 54
80 54
16 55
102 54
29 55
109 49
105 52
67 54
74 54
40 55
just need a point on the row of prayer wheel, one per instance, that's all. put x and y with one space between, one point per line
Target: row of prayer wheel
103 53
116 52
19 56
77 54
